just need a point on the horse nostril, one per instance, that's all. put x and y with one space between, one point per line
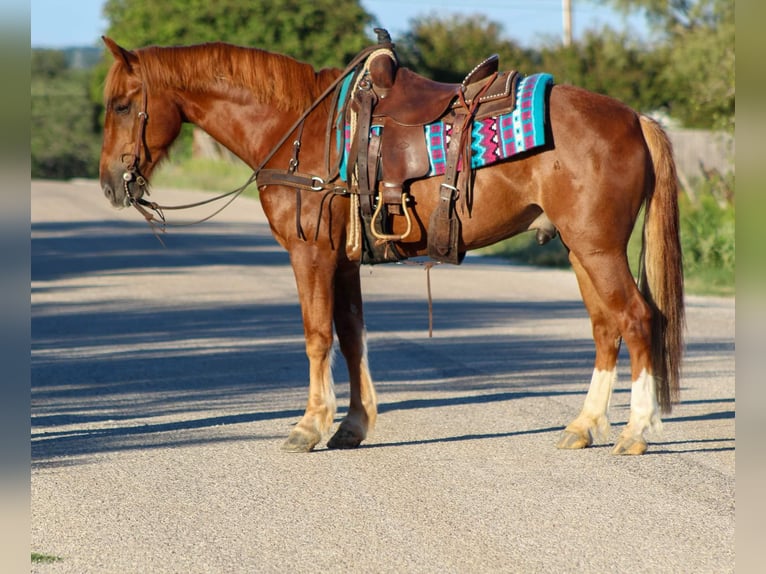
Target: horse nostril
109 192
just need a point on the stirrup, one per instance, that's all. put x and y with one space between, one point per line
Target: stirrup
394 236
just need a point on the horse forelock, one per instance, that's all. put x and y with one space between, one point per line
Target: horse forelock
273 79
115 83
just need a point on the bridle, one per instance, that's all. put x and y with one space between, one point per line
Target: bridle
289 177
132 174
132 171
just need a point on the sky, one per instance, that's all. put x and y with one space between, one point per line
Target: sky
61 23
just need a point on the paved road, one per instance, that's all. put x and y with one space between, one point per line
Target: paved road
165 379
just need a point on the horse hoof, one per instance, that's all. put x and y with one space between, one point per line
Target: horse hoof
630 446
299 442
344 438
570 440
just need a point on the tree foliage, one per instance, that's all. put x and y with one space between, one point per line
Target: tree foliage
610 63
48 63
699 36
65 131
320 32
605 61
447 48
323 33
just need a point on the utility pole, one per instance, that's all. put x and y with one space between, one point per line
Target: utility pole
566 9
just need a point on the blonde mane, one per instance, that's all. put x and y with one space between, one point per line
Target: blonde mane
274 79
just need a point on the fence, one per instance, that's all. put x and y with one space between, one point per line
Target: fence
701 152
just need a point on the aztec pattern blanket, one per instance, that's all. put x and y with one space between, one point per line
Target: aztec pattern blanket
492 139
501 137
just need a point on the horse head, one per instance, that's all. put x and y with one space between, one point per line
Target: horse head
139 126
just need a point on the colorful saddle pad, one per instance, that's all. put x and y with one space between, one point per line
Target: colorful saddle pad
501 137
492 139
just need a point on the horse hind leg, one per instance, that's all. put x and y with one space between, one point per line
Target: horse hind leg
611 280
349 325
592 423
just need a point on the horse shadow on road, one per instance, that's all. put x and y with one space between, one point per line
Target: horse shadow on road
107 377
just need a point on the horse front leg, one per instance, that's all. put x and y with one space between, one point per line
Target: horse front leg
314 271
349 325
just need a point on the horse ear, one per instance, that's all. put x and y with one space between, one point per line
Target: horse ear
121 54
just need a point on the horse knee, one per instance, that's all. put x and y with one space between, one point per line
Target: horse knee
318 346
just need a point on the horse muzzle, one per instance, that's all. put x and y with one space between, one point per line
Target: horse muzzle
123 192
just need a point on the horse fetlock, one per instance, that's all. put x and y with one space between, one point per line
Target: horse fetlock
372 418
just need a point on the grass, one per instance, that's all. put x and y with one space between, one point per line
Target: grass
39 558
524 249
204 174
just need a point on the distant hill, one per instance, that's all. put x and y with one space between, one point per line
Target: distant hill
77 57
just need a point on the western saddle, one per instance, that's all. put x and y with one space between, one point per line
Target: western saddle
382 162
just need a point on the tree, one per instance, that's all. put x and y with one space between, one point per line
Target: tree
604 61
320 32
64 139
700 41
447 48
323 33
48 63
608 62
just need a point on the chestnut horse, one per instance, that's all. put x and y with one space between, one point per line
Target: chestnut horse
604 163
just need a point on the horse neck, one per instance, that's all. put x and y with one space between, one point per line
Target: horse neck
249 123
247 130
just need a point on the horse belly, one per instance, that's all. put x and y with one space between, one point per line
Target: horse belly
502 204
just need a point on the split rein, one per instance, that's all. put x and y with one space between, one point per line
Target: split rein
287 177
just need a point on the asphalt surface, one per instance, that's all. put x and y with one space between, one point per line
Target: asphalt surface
164 381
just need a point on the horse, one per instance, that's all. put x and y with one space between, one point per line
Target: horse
605 163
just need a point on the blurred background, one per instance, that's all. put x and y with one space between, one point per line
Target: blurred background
671 59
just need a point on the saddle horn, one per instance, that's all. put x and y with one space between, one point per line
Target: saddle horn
383 36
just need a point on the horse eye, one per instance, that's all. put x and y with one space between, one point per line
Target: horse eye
122 108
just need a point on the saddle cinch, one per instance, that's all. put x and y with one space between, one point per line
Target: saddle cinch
390 107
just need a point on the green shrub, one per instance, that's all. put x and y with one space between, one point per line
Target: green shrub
708 239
